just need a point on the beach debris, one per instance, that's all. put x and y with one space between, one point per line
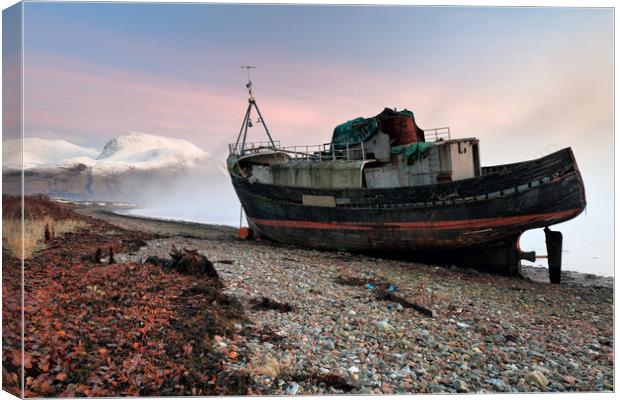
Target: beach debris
462 325
98 255
265 334
111 255
328 379
224 261
48 235
366 282
89 257
384 291
383 294
265 303
163 262
186 261
244 233
351 280
191 262
138 239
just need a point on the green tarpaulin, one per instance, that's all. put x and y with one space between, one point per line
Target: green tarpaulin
355 131
413 151
361 129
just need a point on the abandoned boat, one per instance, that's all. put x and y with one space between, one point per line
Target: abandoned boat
384 185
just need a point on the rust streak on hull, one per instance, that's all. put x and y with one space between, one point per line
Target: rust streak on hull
482 223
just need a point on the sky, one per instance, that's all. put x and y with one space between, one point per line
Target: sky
525 81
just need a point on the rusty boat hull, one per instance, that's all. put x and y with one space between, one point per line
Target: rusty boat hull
471 222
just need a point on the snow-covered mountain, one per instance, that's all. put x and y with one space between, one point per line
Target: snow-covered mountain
143 151
135 151
132 167
42 152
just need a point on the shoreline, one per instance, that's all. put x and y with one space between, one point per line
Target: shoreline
534 273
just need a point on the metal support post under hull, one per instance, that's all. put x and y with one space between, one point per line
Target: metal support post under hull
554 254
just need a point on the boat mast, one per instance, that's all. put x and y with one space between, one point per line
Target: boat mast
247 121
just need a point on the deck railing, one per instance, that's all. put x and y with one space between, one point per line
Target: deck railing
434 135
253 147
324 152
320 152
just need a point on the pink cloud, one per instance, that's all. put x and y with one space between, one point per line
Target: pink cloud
64 95
302 103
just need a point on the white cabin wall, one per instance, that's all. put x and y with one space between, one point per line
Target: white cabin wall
444 158
318 175
379 145
462 158
383 177
445 161
420 172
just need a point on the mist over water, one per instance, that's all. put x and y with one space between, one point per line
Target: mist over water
205 195
586 247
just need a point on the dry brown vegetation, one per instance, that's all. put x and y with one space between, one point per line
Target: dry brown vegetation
111 330
34 233
40 214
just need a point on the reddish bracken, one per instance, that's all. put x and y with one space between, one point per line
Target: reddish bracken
125 329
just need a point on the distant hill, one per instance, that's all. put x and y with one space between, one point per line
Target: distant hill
128 168
42 152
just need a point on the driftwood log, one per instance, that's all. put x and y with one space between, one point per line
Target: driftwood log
265 303
383 294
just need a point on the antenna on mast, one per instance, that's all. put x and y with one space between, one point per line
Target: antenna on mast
247 121
249 84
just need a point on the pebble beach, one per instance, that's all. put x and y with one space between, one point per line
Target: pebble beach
486 333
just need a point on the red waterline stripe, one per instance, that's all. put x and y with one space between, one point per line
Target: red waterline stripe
470 223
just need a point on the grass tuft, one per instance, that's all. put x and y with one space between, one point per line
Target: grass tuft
34 233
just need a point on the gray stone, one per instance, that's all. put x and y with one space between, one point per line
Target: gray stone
497 383
383 326
292 389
